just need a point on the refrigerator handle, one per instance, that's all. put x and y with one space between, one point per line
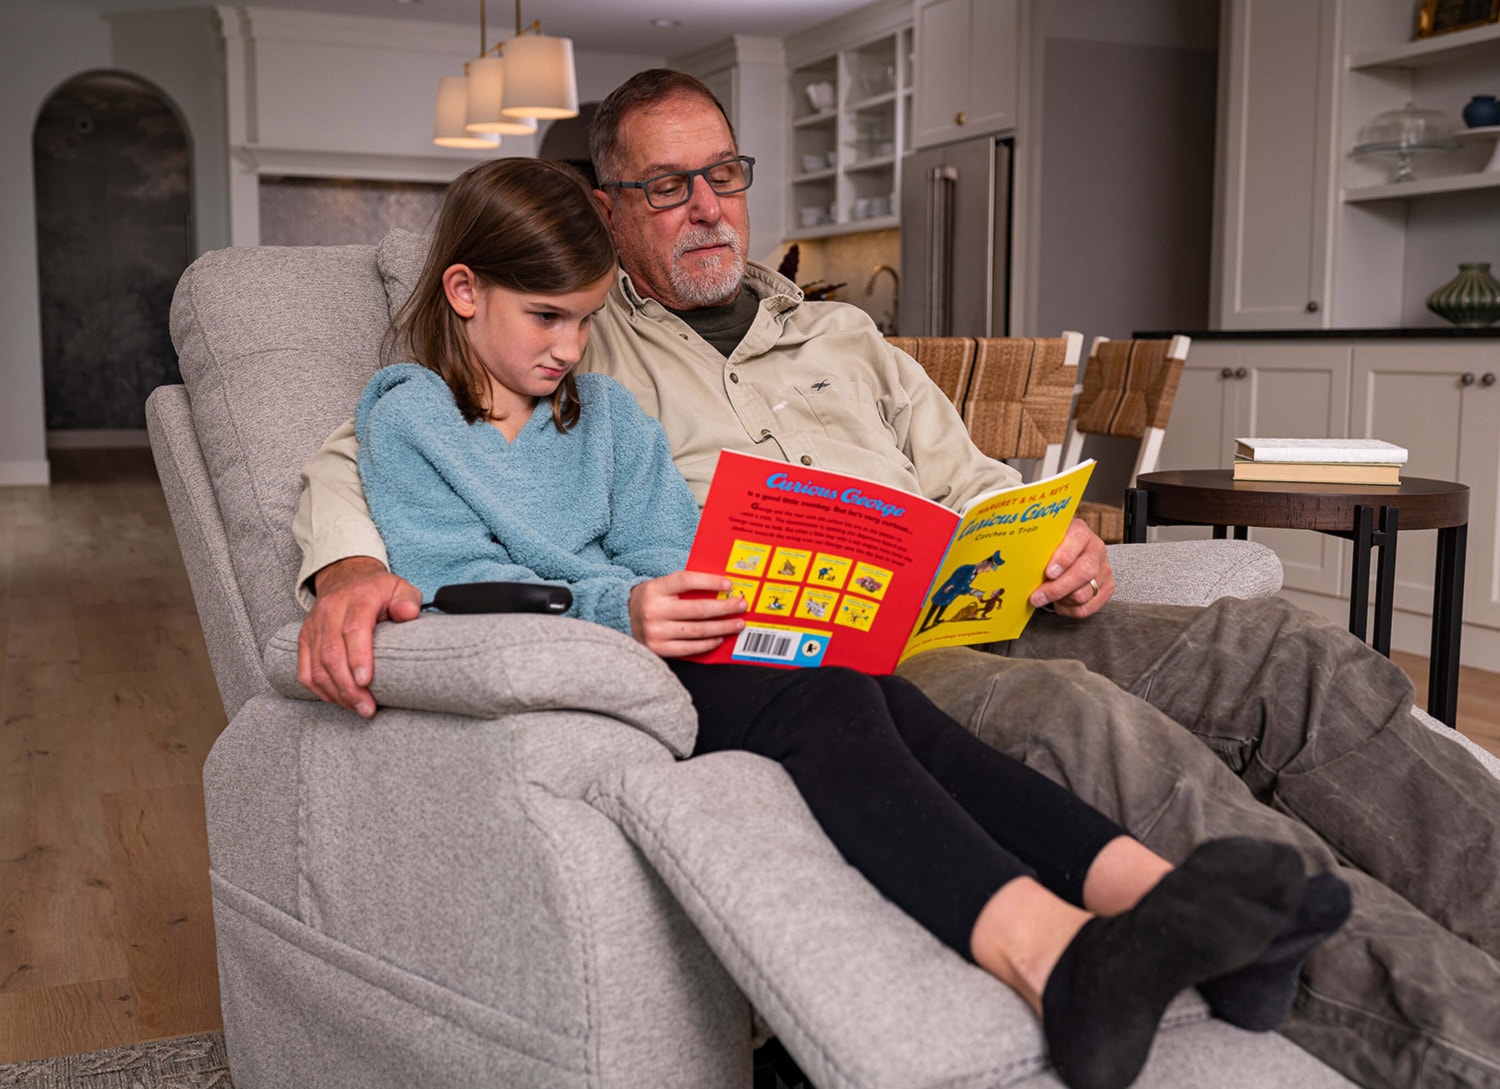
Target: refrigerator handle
941 183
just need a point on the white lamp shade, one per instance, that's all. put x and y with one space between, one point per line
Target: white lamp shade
540 81
448 118
486 92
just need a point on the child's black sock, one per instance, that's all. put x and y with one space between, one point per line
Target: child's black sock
1260 995
1214 913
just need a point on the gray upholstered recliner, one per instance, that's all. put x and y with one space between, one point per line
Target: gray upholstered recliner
508 877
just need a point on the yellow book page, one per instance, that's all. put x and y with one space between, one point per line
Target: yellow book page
982 590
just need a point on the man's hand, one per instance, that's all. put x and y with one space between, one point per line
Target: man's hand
673 627
1079 580
334 656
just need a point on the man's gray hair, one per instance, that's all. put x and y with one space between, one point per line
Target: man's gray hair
638 92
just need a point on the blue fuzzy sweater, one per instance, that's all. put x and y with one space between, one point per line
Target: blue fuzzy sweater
599 508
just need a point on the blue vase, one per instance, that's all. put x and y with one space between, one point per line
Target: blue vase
1482 111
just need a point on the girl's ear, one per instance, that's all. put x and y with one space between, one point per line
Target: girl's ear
460 288
607 206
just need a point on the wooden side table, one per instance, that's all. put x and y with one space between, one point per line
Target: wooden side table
1369 516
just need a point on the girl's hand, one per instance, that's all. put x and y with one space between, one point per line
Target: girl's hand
673 627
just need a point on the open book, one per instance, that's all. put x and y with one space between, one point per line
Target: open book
838 570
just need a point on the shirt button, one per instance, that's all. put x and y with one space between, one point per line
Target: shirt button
806 459
765 432
733 377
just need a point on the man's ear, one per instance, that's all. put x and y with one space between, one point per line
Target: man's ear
460 287
606 205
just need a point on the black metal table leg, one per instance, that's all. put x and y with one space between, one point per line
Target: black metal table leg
1359 585
1385 579
1135 515
1447 624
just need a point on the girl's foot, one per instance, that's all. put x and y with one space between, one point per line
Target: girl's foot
1258 996
1212 915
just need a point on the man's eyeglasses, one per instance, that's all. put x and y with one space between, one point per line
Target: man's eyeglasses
670 190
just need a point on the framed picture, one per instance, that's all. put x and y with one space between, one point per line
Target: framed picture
1442 16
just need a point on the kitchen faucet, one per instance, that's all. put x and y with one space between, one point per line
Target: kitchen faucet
888 324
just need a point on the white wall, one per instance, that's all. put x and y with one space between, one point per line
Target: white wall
40 48
182 52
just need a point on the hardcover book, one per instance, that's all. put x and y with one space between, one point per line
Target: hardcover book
1338 451
1316 472
838 570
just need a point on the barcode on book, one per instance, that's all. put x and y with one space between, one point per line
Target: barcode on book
779 645
785 646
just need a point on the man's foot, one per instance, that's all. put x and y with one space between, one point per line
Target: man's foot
1212 915
1258 996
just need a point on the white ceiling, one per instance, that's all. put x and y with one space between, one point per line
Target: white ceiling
607 26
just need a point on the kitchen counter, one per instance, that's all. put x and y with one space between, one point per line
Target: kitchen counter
1448 332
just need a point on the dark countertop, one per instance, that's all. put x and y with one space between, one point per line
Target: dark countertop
1446 332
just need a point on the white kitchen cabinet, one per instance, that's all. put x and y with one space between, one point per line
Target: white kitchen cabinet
849 106
966 83
1231 389
1277 60
1444 406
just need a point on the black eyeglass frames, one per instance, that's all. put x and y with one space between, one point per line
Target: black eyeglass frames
670 190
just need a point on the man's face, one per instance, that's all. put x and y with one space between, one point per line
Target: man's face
692 255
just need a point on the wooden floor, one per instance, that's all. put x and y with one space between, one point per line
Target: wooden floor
107 710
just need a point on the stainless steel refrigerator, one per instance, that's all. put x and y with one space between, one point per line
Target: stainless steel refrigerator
955 240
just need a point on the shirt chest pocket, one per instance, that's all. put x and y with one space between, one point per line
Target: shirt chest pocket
845 409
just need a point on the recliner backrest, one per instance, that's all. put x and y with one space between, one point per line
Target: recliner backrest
275 345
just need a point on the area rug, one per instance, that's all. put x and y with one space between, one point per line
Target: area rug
184 1062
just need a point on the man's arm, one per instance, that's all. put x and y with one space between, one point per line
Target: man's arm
343 583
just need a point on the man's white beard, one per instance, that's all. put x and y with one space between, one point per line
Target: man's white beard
718 278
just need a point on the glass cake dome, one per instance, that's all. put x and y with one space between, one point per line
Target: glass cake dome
1401 135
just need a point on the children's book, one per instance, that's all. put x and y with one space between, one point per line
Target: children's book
838 570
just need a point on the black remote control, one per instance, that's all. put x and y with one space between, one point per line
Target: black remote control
502 597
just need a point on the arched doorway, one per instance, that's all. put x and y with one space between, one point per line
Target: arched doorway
114 233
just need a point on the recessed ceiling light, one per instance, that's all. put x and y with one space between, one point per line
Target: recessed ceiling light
666 22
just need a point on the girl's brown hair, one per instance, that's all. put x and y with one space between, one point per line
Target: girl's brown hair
524 224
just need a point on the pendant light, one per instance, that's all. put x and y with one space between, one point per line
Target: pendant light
448 119
529 77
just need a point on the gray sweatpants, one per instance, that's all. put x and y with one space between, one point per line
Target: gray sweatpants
1316 747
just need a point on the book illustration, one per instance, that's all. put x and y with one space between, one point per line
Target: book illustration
838 570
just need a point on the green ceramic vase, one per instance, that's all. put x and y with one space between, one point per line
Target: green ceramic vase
1471 300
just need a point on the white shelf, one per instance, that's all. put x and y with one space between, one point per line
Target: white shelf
1422 187
874 223
820 118
883 162
825 174
1439 49
885 98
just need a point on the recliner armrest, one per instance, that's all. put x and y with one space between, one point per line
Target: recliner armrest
1193 572
488 666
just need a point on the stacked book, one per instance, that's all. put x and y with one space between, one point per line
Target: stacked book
1319 461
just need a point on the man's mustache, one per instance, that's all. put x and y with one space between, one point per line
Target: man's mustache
720 235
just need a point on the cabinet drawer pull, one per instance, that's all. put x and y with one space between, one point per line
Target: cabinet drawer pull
1241 372
960 117
1488 379
1467 379
1227 372
1312 306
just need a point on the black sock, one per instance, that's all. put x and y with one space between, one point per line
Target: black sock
1214 913
1260 995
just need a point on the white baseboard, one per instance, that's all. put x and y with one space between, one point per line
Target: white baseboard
112 438
24 473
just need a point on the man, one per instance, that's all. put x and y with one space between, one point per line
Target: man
1289 711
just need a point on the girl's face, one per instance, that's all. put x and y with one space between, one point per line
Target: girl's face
526 342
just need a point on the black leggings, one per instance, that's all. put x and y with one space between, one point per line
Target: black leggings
933 817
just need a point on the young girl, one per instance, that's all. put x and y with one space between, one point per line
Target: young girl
489 459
